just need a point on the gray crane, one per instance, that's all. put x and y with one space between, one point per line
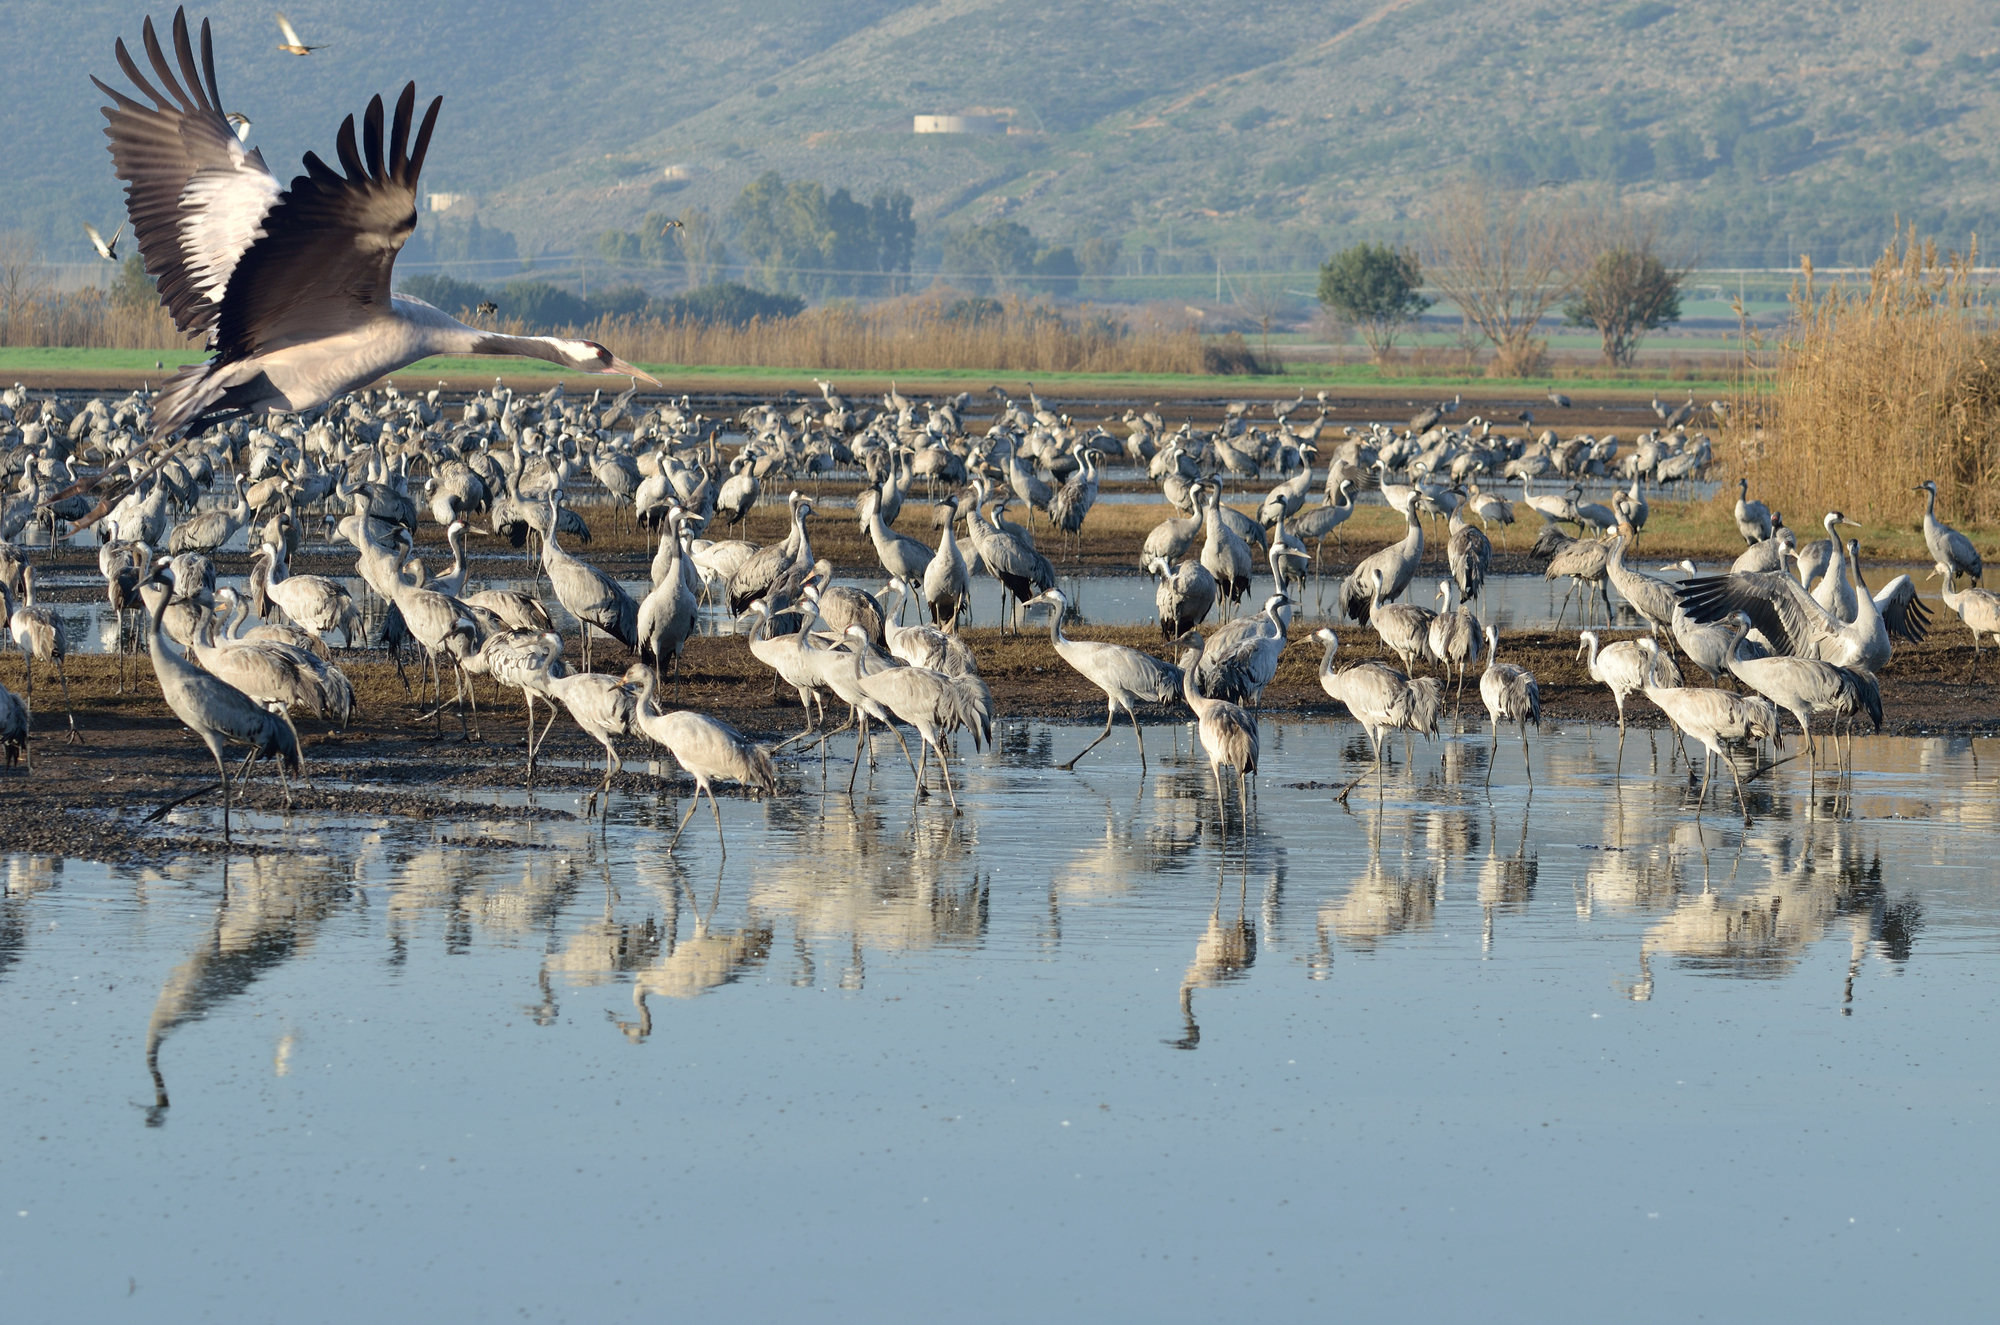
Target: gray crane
1172 538
1379 697
931 702
1223 550
1978 608
1323 521
1228 734
1805 686
1398 563
1404 628
1584 560
39 635
923 646
1729 726
1772 554
1622 667
1454 636
706 748
947 580
1753 518
1650 596
668 614
212 709
313 603
587 593
291 285
1184 595
211 529
1948 547
1126 676
601 705
14 730
1797 626
511 658
1072 502
1834 592
1469 554
739 492
440 625
1022 571
794 662
901 556
760 569
1241 658
1511 695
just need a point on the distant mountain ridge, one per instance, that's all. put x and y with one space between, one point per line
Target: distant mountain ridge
1270 131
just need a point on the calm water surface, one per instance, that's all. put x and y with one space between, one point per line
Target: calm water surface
1074 1055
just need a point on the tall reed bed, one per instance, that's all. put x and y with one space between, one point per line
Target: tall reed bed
915 335
86 318
1880 387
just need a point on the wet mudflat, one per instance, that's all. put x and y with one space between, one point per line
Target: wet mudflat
1090 1050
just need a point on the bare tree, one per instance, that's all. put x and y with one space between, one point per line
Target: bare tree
1506 258
1264 303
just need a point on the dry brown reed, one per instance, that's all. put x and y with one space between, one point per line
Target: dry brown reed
1880 388
912 335
86 318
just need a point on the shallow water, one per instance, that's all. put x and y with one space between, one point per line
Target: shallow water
1509 602
1079 1053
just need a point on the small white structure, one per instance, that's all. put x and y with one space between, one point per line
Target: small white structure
444 202
683 171
960 124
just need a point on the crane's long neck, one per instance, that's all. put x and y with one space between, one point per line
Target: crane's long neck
1055 625
1326 659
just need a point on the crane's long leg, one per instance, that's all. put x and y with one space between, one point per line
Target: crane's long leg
1110 714
692 807
1221 801
215 748
1741 804
1618 770
1374 767
1527 764
860 736
1138 732
717 811
62 674
1243 796
945 772
1493 746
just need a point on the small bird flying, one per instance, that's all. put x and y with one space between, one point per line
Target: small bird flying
106 249
487 308
292 44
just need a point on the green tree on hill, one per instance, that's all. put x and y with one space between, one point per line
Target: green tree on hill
1374 287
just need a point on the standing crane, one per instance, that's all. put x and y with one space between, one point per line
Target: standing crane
705 747
214 710
1126 676
1228 734
601 705
211 529
1623 667
1511 694
1978 608
1753 518
1380 698
1398 564
1728 726
1404 628
902 556
947 581
1184 595
1948 547
1454 636
1469 553
1804 686
587 593
39 635
1223 551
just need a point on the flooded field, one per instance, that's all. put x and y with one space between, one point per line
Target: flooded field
1087 1049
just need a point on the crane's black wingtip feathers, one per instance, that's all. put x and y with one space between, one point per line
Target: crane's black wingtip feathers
423 146
371 135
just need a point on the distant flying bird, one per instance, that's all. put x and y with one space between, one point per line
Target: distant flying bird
293 45
240 123
291 287
487 308
106 249
672 225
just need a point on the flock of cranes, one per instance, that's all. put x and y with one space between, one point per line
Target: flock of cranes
292 290
1806 649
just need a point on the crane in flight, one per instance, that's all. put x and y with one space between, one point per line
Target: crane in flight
289 286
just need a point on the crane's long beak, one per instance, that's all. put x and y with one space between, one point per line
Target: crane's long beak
623 369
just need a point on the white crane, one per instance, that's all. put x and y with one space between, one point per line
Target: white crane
290 286
1126 676
1511 694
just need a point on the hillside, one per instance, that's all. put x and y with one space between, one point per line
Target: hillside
1269 130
